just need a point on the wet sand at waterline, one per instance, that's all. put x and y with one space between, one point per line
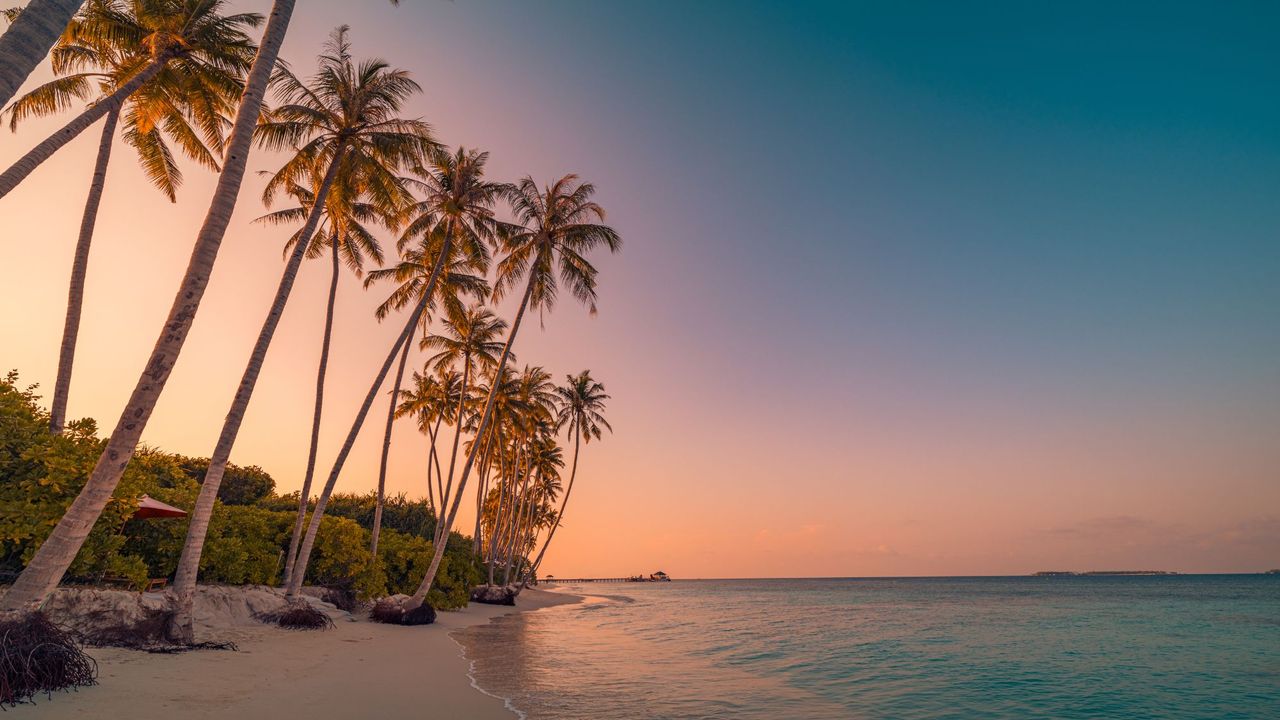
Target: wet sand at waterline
358 669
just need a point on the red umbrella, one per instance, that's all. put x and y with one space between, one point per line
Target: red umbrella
149 507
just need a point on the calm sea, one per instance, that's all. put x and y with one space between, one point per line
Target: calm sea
1071 647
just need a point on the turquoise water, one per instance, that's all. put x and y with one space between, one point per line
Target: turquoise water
1177 647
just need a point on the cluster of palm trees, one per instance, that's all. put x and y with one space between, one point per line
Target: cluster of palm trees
182 74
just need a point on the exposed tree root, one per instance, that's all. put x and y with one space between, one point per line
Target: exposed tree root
298 616
37 657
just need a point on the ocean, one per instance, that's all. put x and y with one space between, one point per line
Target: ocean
1168 647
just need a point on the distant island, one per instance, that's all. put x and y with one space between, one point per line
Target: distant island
1072 573
1272 572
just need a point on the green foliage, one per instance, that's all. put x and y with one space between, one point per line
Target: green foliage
239 486
399 513
41 474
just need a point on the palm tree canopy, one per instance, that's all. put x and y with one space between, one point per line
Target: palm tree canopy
189 102
347 217
460 275
471 336
581 403
352 107
555 227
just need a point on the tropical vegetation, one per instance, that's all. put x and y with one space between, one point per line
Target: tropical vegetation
182 81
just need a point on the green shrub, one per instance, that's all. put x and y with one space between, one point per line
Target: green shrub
41 474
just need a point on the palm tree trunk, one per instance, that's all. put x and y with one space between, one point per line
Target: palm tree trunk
438 555
435 460
476 541
79 269
38 154
29 39
386 450
564 503
305 495
184 582
46 568
431 489
309 540
517 520
457 425
504 485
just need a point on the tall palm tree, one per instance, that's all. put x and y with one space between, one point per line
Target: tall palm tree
429 402
28 39
581 410
182 56
471 340
346 121
344 232
349 241
53 557
455 280
455 226
188 102
556 227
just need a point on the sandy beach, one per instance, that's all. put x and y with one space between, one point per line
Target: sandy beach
355 670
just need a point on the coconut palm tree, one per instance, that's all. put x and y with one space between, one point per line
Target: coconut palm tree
348 241
28 39
581 410
430 402
346 121
52 558
556 227
534 427
186 103
471 340
454 281
454 226
182 58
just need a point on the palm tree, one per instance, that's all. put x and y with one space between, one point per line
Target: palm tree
455 225
470 341
427 402
188 101
28 40
348 241
556 228
53 557
581 410
345 120
454 281
182 57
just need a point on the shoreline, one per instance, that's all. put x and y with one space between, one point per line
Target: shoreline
357 669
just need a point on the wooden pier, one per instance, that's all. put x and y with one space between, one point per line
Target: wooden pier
655 577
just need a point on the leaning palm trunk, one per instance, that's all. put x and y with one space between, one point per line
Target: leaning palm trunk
309 540
386 450
427 580
305 494
184 583
53 557
476 542
517 521
564 503
29 39
504 486
111 103
457 424
79 269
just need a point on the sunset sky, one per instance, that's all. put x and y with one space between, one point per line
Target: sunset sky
905 290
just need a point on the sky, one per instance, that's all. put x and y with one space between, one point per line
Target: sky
906 289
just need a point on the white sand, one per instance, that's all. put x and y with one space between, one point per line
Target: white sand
359 669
